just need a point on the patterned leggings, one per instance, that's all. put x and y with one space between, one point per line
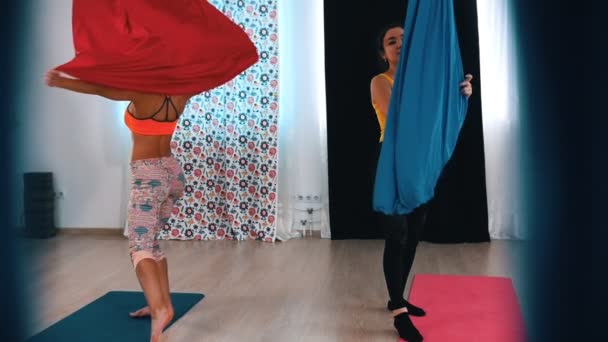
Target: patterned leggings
155 186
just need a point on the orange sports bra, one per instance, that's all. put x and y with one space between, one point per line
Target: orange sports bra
150 125
379 114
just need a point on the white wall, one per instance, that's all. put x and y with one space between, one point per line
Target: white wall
80 138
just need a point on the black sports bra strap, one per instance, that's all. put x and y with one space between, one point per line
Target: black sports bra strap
165 105
168 101
159 109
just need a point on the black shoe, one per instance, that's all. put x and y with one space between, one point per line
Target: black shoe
406 328
412 309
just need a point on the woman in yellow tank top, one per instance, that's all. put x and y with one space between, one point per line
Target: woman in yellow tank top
381 113
401 232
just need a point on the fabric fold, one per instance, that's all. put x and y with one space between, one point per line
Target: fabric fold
426 110
158 46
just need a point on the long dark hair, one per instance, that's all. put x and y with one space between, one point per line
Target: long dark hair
383 63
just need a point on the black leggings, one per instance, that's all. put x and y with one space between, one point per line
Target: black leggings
401 233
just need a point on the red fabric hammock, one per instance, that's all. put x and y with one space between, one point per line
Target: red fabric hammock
158 46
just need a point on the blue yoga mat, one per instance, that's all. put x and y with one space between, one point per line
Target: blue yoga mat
107 319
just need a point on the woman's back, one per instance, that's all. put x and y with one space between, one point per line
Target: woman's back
152 119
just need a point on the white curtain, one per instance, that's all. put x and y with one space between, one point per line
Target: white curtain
302 191
500 108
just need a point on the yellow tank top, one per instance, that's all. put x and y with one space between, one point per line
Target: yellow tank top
379 114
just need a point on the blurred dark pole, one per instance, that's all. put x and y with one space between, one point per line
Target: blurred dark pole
557 47
12 300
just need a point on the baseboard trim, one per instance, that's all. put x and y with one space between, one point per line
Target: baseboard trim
90 231
315 234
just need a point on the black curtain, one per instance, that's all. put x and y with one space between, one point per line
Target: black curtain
458 213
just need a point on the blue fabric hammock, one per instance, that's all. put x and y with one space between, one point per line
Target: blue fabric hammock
426 110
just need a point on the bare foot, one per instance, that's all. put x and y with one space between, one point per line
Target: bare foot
143 312
160 320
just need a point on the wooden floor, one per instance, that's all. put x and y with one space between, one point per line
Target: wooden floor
300 290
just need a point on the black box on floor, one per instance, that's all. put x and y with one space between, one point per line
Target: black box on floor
39 205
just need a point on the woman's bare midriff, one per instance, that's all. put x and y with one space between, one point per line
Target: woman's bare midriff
154 146
151 146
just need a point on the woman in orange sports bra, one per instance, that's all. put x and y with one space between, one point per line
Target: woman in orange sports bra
136 51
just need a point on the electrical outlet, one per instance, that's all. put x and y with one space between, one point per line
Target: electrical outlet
308 198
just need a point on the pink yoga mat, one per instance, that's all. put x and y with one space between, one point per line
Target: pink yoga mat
467 308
